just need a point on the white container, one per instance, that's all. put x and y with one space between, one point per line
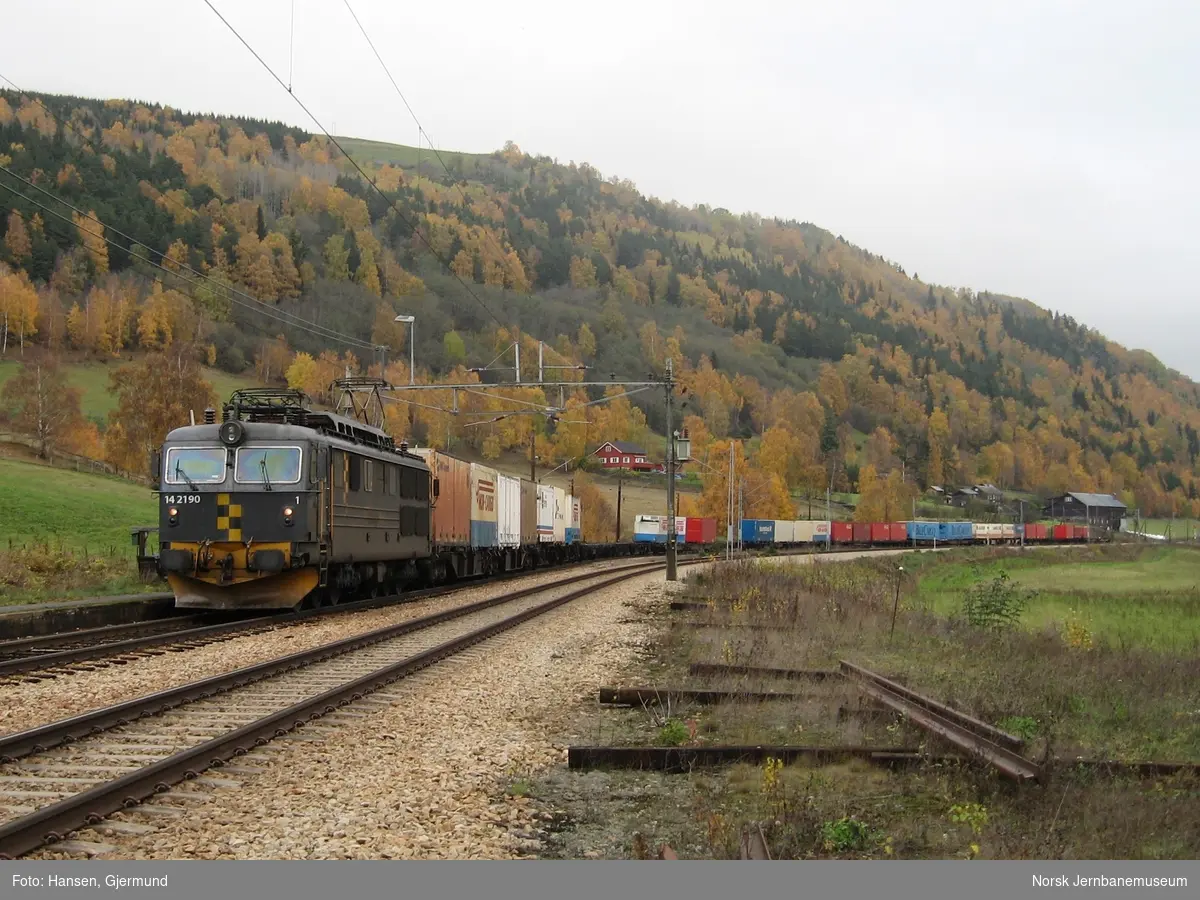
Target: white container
808 531
576 523
987 531
649 529
785 531
562 514
508 511
545 514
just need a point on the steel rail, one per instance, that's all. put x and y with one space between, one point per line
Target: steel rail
950 724
53 822
99 651
53 734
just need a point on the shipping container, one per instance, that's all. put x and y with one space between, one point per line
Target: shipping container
1062 532
451 519
987 531
576 521
1008 531
841 532
808 531
483 506
922 531
785 531
860 532
1036 532
881 533
562 515
649 529
508 511
700 531
758 531
529 511
954 531
545 514
898 532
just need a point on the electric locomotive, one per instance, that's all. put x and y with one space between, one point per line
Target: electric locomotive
280 506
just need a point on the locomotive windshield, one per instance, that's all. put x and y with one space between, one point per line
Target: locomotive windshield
267 465
195 465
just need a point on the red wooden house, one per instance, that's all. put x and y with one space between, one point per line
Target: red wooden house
624 455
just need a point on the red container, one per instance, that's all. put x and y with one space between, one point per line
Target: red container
1063 533
1035 532
861 532
841 532
1081 532
700 531
899 532
881 533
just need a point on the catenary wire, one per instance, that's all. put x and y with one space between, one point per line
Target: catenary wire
234 294
391 203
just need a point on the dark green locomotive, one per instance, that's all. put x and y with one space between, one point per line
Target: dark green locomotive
279 505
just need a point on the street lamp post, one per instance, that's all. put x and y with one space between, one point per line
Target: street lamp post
411 321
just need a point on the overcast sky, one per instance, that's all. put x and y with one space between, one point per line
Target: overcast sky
1043 149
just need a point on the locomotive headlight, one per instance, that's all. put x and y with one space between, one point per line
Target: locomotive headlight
173 511
287 511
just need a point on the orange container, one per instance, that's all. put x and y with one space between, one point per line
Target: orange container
452 505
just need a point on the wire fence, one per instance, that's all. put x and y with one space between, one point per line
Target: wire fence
61 459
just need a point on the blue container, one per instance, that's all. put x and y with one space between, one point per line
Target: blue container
642 537
571 536
922 531
955 531
484 534
758 531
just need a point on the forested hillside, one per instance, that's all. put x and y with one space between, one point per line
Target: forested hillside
820 360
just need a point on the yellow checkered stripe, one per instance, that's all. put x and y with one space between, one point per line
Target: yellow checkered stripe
229 518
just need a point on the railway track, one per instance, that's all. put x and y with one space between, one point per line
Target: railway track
71 774
49 656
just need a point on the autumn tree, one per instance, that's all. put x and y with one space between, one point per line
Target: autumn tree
938 435
18 307
599 519
42 404
337 259
91 235
16 238
153 396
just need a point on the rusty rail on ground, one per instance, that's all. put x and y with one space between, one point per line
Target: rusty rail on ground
977 738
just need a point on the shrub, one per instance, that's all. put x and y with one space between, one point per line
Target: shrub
998 603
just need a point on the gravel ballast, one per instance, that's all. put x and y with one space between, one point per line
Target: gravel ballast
425 776
28 704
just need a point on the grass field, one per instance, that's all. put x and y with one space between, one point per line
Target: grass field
1133 595
57 506
1176 529
91 379
64 534
370 152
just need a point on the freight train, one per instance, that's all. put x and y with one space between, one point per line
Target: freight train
280 506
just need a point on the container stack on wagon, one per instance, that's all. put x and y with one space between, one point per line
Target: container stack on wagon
690 531
759 533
